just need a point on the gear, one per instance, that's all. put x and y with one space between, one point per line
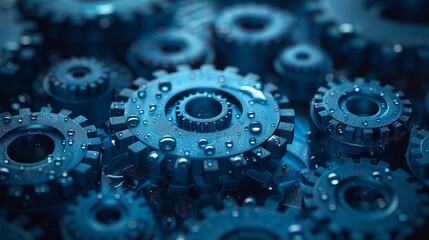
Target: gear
109 215
388 37
46 158
361 200
360 119
19 227
168 49
418 155
83 85
301 69
18 47
147 126
426 103
249 36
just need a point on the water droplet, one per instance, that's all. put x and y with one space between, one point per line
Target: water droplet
7 120
250 114
20 120
152 107
221 79
33 116
252 141
365 123
167 143
229 144
376 175
71 141
153 156
255 127
333 179
183 162
158 95
202 143
141 94
70 132
164 86
209 150
237 160
4 174
83 146
133 121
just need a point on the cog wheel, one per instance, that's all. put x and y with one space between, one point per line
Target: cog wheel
102 22
301 69
248 32
19 227
168 49
46 158
19 44
109 215
427 110
418 155
360 119
147 125
363 200
83 85
386 37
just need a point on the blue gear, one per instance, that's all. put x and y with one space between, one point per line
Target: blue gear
418 155
46 158
167 50
20 227
109 215
360 119
364 200
249 36
426 103
231 124
301 69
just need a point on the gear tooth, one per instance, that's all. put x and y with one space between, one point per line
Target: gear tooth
207 67
183 68
24 111
230 69
286 131
46 110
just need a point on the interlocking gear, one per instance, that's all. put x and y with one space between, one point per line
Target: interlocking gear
365 200
109 215
237 124
418 155
360 119
46 158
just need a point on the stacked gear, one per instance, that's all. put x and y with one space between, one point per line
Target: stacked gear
360 119
168 49
418 155
386 37
18 47
301 69
46 158
204 127
364 200
83 85
109 215
102 22
249 36
18 228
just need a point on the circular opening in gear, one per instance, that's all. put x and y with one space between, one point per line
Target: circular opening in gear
172 47
252 23
78 73
30 148
409 11
366 197
302 56
362 106
203 108
108 215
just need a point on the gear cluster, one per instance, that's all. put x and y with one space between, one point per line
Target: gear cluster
204 119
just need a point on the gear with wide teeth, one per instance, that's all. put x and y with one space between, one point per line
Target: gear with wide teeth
46 158
200 113
354 196
83 85
249 36
418 154
167 50
145 126
360 118
109 215
381 37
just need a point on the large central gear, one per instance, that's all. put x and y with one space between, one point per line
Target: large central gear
241 125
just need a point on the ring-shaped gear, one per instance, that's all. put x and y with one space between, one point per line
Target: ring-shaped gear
167 50
360 118
103 22
249 36
260 129
83 85
109 215
365 200
20 227
386 37
301 69
418 155
19 45
46 158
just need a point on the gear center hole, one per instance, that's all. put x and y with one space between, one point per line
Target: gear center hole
408 11
204 108
172 47
108 215
362 106
30 148
253 23
366 197
302 56
80 72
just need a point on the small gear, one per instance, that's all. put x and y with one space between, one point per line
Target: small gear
364 200
109 215
19 45
418 155
168 49
301 69
83 85
360 119
19 227
46 158
249 36
385 37
149 127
